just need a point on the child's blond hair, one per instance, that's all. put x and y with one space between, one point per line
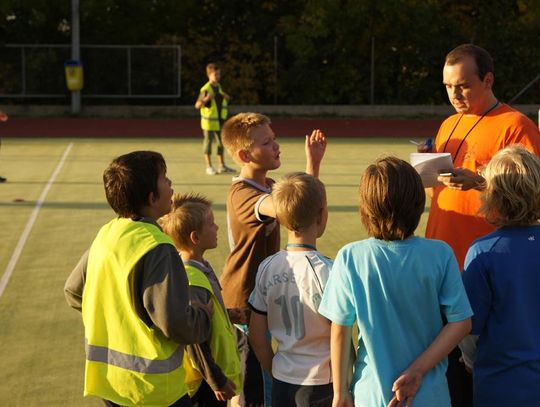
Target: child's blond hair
188 214
236 132
298 199
511 196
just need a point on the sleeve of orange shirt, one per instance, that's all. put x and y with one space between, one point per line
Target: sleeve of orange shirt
526 133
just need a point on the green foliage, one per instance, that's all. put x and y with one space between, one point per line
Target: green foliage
299 51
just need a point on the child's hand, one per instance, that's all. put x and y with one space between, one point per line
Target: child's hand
3 116
315 145
227 392
238 315
344 400
405 388
315 149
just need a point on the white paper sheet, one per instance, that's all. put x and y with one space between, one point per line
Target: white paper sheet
429 165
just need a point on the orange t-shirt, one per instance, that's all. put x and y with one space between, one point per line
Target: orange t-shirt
453 217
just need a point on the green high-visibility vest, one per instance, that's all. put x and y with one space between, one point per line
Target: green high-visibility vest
127 362
209 115
223 344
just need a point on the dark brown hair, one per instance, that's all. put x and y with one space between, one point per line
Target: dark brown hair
129 180
391 199
484 62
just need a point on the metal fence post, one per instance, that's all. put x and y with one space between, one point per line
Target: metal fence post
372 79
75 52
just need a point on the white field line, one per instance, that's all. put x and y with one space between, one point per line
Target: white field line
28 228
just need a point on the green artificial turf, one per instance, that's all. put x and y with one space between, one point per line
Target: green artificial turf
41 338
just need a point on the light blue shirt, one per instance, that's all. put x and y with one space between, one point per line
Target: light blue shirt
396 291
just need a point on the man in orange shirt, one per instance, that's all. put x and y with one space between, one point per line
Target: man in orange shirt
482 126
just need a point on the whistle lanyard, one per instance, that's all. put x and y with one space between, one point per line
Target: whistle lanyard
469 132
304 245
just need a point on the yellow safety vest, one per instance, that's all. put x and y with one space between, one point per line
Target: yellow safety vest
127 362
222 342
209 115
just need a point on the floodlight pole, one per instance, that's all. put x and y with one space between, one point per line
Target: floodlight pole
75 52
372 76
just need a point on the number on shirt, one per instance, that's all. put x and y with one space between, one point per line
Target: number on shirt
297 320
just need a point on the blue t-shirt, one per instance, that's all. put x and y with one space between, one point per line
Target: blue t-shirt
502 279
396 291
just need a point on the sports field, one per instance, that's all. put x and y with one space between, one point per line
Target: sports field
51 208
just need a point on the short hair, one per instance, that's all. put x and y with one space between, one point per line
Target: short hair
484 62
236 132
188 214
130 178
298 199
511 197
211 67
391 199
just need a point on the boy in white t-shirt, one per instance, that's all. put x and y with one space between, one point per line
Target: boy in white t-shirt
288 290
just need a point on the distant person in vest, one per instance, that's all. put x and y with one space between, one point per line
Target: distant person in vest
212 102
132 290
482 126
3 118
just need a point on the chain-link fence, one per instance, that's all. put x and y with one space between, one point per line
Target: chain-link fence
110 71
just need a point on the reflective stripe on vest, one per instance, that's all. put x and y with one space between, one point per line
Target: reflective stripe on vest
131 362
127 361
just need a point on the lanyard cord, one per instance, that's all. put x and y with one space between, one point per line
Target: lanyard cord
303 245
469 132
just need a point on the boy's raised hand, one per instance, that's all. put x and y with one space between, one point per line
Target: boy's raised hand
315 149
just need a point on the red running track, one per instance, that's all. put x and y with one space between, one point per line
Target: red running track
283 127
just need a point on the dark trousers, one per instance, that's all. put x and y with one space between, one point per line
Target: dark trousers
253 381
460 381
286 394
183 402
205 397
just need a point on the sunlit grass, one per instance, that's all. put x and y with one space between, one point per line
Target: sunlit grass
42 341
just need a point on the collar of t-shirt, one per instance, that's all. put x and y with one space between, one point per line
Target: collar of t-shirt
253 184
204 267
208 271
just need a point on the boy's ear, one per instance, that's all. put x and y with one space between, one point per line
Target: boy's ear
151 199
320 216
243 156
194 237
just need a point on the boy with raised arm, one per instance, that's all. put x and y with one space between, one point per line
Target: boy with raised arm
253 230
